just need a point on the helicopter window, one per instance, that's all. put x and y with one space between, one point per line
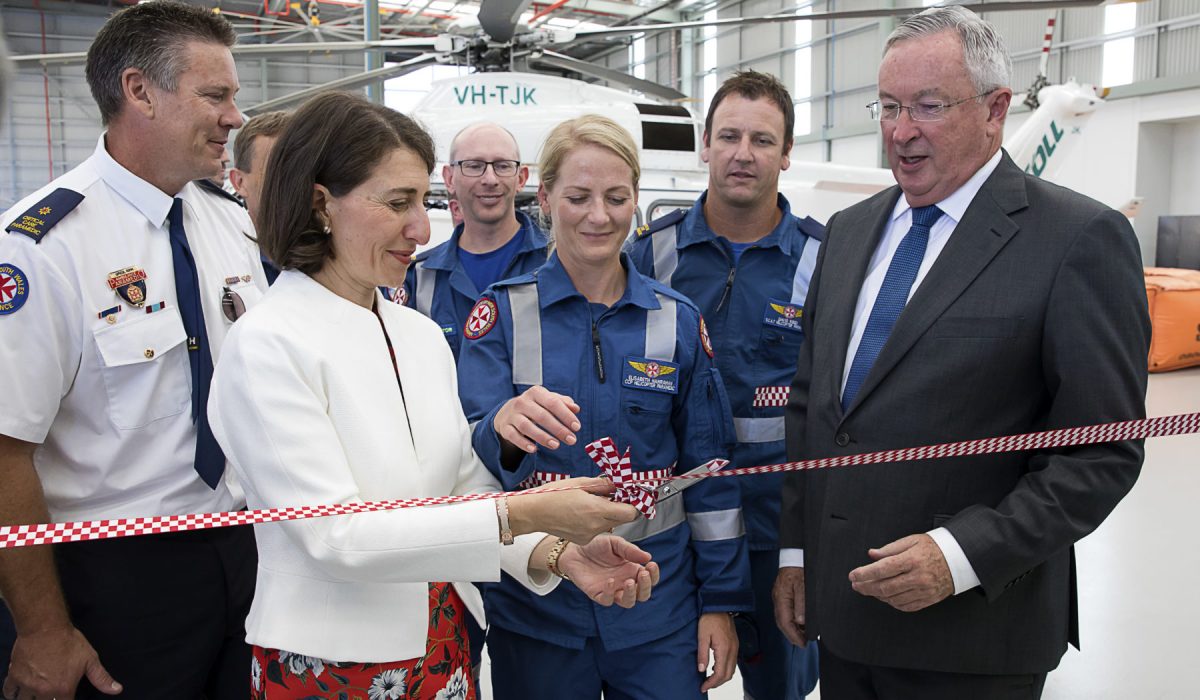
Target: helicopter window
663 110
668 137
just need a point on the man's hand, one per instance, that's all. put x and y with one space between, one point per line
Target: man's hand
610 570
718 635
49 664
788 595
537 416
909 574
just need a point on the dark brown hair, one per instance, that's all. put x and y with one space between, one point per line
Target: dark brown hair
269 124
152 37
753 85
336 139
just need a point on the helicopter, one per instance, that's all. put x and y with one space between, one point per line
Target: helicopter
524 79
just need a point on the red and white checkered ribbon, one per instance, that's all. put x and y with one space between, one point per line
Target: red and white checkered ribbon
537 479
771 396
636 492
52 533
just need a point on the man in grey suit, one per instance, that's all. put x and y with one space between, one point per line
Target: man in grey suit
970 301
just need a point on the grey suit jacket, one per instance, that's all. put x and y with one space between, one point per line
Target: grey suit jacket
1033 317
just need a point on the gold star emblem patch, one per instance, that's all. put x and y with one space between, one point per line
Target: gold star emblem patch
44 211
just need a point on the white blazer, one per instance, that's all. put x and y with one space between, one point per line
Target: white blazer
305 403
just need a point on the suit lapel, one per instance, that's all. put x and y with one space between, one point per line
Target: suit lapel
840 288
984 230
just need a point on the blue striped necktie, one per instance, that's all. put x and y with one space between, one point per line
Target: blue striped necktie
893 295
210 461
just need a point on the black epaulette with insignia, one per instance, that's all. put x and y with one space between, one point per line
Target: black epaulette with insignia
42 216
211 188
811 228
662 222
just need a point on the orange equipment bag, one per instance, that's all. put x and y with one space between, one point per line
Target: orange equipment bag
1174 297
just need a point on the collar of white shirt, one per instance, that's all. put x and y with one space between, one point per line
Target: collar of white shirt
153 203
956 204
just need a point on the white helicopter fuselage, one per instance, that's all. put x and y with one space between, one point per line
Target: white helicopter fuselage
669 138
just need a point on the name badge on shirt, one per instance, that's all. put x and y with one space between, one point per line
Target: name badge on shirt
782 314
449 330
650 375
130 284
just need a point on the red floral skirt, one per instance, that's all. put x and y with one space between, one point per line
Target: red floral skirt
444 673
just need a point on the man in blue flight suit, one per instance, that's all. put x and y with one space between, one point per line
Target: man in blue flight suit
746 261
493 242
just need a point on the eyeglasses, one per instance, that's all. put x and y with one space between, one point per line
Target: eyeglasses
231 304
932 111
476 168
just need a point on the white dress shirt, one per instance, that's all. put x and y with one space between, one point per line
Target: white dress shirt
102 385
953 208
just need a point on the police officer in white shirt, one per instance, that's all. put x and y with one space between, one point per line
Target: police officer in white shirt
118 282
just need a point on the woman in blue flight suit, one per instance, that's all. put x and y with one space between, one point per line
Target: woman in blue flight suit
583 348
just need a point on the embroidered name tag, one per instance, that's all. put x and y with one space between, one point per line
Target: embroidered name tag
782 314
651 375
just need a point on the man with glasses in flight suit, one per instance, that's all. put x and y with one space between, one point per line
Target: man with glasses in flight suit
494 241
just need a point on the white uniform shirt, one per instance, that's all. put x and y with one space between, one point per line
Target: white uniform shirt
108 395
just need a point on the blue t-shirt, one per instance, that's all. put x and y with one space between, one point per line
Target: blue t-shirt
738 249
485 269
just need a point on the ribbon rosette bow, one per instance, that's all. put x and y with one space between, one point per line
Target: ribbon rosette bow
619 470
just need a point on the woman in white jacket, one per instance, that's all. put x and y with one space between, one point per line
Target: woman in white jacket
327 393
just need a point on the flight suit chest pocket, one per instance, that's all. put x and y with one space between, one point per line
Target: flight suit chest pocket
145 366
648 390
779 341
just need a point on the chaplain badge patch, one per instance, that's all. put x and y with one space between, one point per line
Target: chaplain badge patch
654 375
130 284
782 314
14 289
480 320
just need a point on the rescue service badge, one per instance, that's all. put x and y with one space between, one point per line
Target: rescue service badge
705 342
654 375
783 314
130 284
480 320
400 296
14 289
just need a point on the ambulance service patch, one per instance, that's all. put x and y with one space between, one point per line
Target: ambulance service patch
782 314
654 375
704 339
130 284
14 289
480 320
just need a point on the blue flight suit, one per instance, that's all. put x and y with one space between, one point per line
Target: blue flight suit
439 287
754 307
642 374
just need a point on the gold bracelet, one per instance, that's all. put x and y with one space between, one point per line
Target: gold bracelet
506 535
552 558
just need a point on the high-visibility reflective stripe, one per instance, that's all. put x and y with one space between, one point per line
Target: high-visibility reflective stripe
804 270
667 514
426 283
660 330
716 525
758 429
666 257
527 334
